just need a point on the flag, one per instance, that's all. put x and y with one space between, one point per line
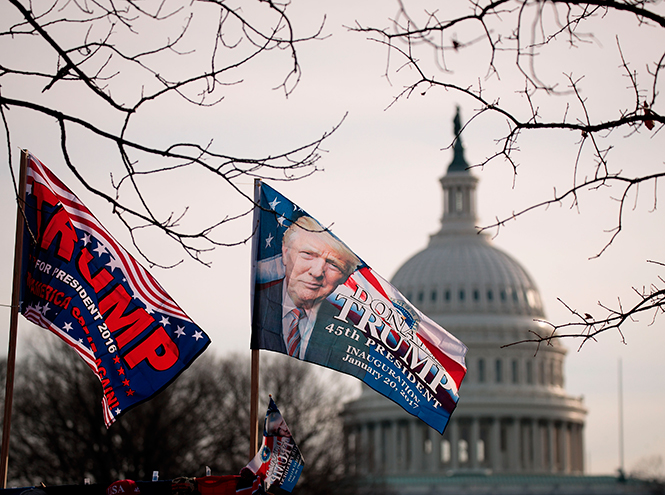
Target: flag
278 462
80 284
316 300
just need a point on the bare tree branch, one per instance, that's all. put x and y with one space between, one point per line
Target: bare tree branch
516 40
127 59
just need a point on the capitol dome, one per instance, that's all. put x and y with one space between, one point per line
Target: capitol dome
466 274
513 415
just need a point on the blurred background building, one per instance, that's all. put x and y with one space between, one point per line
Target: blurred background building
514 427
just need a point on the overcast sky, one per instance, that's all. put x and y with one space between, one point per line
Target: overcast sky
379 188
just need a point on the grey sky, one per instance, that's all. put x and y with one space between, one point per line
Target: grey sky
380 189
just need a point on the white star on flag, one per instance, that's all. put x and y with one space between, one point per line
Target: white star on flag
197 335
180 331
164 321
100 249
67 326
281 221
273 204
86 239
114 263
269 240
45 308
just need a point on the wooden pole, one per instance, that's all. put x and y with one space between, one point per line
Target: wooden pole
254 407
254 385
13 324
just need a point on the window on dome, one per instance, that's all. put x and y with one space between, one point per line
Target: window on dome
481 370
503 295
433 296
559 373
459 200
421 296
461 295
515 371
541 373
499 371
447 295
552 375
476 294
530 298
490 295
529 372
515 297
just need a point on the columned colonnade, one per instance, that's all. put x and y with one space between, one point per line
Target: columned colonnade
488 444
513 414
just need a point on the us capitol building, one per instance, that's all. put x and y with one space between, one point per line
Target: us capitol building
515 430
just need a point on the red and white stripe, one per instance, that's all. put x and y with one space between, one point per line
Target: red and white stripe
140 281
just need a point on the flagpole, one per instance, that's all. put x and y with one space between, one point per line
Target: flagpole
620 379
254 406
254 385
13 324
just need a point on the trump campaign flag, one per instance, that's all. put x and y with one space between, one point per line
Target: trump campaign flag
80 284
316 300
278 462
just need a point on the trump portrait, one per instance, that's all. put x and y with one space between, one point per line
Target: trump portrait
314 264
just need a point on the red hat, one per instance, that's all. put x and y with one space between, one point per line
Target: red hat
122 486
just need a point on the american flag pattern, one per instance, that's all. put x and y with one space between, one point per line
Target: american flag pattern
113 299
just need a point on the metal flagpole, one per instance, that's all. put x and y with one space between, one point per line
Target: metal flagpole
620 379
13 324
254 386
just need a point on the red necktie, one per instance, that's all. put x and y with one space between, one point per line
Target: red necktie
293 339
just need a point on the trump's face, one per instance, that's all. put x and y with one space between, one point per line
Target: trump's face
313 268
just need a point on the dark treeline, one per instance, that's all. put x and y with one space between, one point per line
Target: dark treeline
202 419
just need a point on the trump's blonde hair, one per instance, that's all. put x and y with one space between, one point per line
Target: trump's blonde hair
308 224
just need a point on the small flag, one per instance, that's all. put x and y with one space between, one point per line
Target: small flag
316 300
80 284
278 462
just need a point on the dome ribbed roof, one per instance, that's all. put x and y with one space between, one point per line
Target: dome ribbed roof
465 273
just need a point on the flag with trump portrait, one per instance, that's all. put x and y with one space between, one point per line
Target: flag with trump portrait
278 463
80 284
316 300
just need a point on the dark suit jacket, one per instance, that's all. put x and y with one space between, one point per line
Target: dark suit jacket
324 347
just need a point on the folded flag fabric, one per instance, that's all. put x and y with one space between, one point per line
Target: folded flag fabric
278 462
316 300
80 284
